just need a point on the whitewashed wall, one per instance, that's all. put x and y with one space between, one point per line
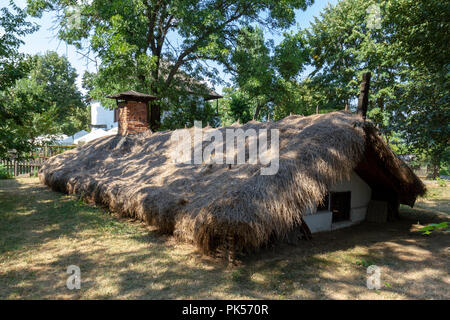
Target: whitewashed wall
102 116
360 197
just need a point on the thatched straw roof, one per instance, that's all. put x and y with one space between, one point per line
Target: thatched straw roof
132 95
221 207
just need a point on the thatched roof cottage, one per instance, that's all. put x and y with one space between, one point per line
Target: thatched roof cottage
334 171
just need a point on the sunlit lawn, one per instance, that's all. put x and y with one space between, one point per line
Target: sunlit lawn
43 232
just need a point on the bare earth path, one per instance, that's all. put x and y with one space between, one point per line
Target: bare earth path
43 232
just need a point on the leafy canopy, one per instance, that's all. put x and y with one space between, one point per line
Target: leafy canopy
45 101
145 44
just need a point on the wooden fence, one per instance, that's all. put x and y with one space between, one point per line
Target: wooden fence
24 167
48 151
39 156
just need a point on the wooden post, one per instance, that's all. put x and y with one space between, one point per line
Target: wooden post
363 100
16 168
317 109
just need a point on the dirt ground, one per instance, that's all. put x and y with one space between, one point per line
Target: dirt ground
43 232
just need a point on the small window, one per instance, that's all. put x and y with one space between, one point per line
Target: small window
323 206
340 205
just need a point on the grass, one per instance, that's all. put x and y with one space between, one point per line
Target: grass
43 232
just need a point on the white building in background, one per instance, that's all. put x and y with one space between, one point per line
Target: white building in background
103 123
68 140
102 117
94 134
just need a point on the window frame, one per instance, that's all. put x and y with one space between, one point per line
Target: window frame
344 204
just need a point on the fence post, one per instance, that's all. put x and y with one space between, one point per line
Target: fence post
16 168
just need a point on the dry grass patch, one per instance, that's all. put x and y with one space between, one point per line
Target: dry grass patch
43 232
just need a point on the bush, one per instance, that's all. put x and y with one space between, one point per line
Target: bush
445 171
441 182
433 227
4 174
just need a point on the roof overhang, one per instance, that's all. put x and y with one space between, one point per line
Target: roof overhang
132 96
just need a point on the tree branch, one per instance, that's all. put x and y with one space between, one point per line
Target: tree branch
181 58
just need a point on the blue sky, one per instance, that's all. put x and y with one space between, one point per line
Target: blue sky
45 39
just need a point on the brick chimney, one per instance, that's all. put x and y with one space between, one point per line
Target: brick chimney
133 111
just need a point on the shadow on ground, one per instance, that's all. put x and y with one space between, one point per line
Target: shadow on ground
43 232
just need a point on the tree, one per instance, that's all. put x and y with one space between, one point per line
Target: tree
13 25
408 57
58 81
13 66
45 101
143 44
266 75
422 32
421 114
343 46
190 111
253 73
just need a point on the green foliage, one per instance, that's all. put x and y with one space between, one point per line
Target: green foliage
441 182
13 66
421 114
445 170
45 101
267 75
443 226
187 112
132 39
4 173
13 26
291 55
409 90
422 32
364 263
226 115
239 275
240 108
254 74
342 47
57 79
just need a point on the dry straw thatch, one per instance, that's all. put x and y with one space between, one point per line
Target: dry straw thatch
218 207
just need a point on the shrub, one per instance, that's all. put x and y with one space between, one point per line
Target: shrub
441 182
433 227
4 173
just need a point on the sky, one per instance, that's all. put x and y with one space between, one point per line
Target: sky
45 38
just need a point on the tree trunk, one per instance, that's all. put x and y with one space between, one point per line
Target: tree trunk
436 166
155 115
154 105
257 111
380 102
